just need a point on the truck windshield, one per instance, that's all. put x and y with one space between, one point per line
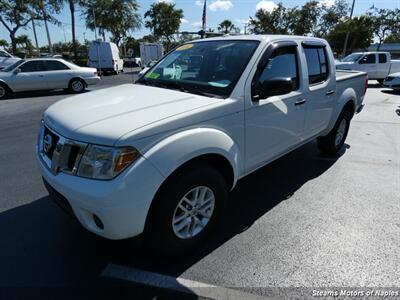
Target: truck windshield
209 68
352 57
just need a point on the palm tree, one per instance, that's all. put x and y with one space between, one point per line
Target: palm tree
72 10
226 26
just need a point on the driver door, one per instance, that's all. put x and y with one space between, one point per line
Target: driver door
274 124
31 76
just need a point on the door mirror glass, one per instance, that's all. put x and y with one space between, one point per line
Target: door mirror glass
276 86
17 70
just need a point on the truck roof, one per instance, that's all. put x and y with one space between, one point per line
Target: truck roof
261 38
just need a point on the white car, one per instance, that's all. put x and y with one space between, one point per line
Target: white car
392 81
45 74
7 59
378 65
159 157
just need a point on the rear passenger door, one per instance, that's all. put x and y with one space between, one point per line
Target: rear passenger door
383 66
320 91
58 74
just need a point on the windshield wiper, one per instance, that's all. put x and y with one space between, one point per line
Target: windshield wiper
179 87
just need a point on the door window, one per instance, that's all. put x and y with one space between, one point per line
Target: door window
382 58
368 59
282 64
54 65
33 66
317 64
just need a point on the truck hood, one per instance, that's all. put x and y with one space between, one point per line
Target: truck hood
103 116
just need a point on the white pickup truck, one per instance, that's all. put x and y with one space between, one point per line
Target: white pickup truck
159 157
378 65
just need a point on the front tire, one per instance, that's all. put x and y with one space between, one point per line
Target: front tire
77 85
3 91
333 142
380 81
186 210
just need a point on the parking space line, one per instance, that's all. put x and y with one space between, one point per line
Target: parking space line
176 284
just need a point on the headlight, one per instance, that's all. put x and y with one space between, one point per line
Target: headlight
101 162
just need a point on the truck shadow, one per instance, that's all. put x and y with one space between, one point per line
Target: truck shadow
42 246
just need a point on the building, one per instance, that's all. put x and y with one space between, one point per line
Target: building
393 48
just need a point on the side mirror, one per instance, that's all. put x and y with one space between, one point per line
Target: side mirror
272 87
17 70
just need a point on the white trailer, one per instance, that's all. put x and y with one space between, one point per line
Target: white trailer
150 52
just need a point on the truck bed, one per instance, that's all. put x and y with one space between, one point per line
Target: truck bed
347 74
353 79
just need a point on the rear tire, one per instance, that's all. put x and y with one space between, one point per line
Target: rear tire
177 221
3 91
77 85
333 142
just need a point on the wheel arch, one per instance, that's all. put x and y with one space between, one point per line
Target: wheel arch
194 145
346 101
3 83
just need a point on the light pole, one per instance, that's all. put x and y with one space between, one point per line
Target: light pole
346 40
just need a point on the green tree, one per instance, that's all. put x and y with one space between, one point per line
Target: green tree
393 38
279 21
3 43
385 21
305 18
15 15
360 37
163 19
227 26
115 16
46 9
25 42
330 16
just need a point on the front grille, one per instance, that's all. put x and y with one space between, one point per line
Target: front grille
59 153
53 139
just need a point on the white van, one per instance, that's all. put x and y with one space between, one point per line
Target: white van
108 54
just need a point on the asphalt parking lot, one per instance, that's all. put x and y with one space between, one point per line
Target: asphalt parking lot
303 221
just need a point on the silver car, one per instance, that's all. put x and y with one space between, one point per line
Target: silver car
45 74
7 59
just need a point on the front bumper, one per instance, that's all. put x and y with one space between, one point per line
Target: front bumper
393 84
121 204
92 80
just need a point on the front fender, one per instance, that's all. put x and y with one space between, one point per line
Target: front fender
177 149
348 95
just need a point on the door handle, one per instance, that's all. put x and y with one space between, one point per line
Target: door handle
300 102
330 92
41 75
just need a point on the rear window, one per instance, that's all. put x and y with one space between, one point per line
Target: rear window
317 64
382 58
54 65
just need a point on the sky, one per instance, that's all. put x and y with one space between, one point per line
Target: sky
238 11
